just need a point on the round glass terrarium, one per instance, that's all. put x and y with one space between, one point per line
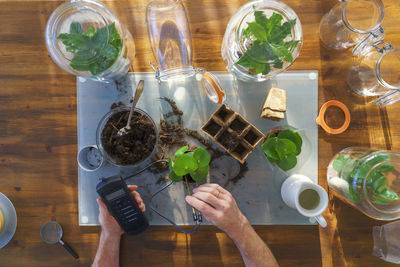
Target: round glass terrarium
101 146
85 38
368 180
262 39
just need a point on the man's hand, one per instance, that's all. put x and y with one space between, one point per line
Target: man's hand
108 223
219 207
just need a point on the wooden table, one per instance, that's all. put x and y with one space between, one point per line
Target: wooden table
38 144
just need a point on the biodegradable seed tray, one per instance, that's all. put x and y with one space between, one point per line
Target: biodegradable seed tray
233 133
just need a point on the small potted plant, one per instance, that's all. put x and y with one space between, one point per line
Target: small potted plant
282 146
191 166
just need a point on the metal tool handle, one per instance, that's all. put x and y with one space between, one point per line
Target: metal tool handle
138 93
69 249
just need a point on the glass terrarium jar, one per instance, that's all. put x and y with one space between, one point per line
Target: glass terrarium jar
85 38
368 180
101 146
262 39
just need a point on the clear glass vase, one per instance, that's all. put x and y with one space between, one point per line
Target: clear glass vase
368 180
267 61
85 38
349 21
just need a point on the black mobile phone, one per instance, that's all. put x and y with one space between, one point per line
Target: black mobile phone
115 194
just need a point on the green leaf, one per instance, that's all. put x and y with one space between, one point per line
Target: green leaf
389 195
202 157
278 63
380 184
181 151
269 148
170 164
257 31
200 174
385 168
90 32
285 147
75 27
294 137
260 18
184 164
173 177
353 194
379 201
287 162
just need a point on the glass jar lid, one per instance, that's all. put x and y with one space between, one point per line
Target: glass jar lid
387 69
363 16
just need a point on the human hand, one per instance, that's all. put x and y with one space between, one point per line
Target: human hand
219 208
108 223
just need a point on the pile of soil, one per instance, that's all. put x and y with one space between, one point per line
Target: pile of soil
134 146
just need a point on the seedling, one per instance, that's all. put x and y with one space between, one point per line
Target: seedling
196 164
355 170
94 50
283 148
269 44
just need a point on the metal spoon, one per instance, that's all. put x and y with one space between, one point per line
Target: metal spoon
138 93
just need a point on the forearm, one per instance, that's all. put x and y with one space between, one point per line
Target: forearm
107 254
253 249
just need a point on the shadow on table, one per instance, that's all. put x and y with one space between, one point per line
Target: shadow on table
352 242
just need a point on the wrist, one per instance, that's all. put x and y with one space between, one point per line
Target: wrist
239 229
111 236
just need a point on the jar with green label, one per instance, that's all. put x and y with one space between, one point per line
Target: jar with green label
368 180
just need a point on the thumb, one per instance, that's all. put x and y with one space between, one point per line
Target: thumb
101 203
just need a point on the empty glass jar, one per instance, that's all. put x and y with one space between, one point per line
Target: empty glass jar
368 180
349 21
253 57
171 42
85 38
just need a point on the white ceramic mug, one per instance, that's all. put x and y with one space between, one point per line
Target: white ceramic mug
291 189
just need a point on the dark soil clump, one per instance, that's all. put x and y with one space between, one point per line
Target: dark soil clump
212 128
134 146
228 140
251 137
238 125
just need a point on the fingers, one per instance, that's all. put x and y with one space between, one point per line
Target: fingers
139 201
132 187
210 199
213 189
200 205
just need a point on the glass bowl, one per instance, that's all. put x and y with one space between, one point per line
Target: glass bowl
106 156
85 38
236 43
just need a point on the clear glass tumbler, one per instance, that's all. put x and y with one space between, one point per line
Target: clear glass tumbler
85 38
368 180
349 21
170 39
265 59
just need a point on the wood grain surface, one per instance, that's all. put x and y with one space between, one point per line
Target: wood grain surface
38 144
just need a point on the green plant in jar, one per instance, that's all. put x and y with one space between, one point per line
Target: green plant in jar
356 169
196 164
267 43
94 50
283 148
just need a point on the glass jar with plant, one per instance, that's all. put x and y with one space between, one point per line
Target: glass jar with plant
86 39
367 179
282 146
262 38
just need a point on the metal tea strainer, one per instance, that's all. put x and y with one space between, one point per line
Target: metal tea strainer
51 233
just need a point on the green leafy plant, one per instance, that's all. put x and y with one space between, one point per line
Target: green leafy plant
355 170
268 48
283 148
196 164
94 50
